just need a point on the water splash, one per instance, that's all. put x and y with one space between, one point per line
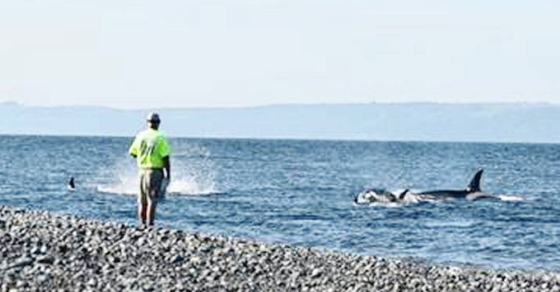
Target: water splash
182 186
124 187
195 176
191 187
122 178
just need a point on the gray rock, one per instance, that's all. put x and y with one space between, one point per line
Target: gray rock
21 262
43 278
176 259
46 259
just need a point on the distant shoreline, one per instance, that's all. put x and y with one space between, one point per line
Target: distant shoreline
279 139
422 122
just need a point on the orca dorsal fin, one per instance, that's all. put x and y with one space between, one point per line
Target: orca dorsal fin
71 185
401 195
474 186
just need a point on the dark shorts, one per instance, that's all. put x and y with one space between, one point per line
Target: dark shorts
150 185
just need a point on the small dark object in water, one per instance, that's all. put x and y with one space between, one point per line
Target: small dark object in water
71 185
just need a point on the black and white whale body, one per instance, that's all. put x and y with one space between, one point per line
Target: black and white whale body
379 195
472 192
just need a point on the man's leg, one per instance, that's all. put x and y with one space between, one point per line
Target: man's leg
156 177
142 214
143 200
151 209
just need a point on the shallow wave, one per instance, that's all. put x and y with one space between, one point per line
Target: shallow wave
454 223
510 198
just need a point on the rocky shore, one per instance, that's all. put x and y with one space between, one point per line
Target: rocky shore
40 251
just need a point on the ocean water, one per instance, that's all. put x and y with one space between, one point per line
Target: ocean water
301 193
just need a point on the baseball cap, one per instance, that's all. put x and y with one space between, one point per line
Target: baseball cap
153 117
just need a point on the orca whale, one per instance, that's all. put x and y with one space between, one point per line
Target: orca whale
71 185
378 195
472 192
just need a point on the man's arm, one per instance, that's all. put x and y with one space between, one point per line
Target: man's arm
133 150
167 166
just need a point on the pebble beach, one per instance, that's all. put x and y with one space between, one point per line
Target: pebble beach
42 251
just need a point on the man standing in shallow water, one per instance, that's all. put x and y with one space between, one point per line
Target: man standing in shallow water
151 150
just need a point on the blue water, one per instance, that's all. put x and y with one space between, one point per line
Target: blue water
301 192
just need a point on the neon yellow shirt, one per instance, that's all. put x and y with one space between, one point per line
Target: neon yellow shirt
150 147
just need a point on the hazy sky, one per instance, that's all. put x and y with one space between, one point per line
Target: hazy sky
181 53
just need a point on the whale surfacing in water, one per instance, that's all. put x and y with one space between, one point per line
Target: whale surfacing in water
379 195
471 193
71 186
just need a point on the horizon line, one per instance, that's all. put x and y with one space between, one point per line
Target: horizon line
494 103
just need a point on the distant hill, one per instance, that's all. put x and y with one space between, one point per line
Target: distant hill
533 123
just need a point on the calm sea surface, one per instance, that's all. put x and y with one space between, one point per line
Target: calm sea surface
301 193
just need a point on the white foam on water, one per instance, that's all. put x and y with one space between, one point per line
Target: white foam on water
510 198
386 204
